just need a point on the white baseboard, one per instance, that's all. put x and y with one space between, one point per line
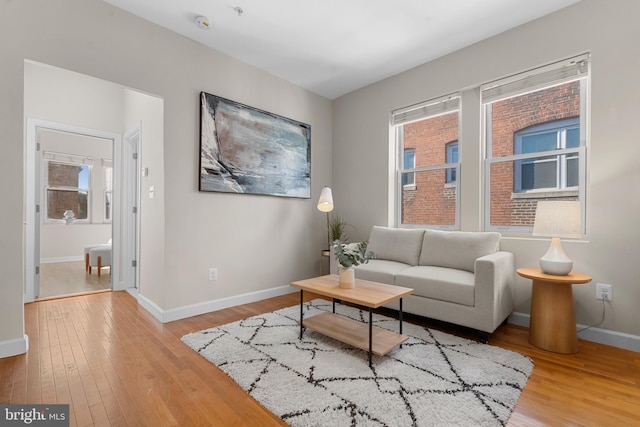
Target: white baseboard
61 259
601 336
173 314
14 347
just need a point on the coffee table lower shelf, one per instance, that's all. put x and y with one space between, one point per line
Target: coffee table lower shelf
354 333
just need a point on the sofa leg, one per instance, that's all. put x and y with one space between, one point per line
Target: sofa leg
484 337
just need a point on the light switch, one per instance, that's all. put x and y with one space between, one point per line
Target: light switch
152 192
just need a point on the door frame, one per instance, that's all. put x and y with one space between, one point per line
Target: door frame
32 190
131 207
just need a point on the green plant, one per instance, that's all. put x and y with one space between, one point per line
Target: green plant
350 256
336 229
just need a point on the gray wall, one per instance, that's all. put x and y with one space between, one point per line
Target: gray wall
257 243
609 252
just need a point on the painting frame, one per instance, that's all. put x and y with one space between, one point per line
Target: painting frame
246 150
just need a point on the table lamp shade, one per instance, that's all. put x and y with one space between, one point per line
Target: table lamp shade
325 202
557 219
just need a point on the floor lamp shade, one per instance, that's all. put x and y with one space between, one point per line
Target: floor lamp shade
557 219
325 202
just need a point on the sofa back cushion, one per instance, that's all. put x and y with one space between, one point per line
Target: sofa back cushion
396 244
457 249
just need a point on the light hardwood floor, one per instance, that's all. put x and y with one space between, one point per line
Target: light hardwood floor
66 278
116 365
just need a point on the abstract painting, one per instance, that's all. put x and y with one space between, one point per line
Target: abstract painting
251 151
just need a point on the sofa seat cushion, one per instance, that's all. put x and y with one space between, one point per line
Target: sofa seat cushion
380 270
444 284
457 249
396 244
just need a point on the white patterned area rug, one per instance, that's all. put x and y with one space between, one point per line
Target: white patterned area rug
435 379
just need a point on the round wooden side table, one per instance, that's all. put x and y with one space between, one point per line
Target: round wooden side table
553 320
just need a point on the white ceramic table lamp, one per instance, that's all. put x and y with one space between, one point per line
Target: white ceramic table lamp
557 219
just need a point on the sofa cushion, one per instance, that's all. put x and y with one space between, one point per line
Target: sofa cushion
380 270
439 283
457 249
396 244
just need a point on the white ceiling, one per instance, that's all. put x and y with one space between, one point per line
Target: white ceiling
332 47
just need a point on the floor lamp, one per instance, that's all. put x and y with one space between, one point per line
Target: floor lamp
325 204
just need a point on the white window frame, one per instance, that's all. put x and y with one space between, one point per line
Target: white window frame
436 107
572 69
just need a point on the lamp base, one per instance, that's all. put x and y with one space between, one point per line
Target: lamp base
556 261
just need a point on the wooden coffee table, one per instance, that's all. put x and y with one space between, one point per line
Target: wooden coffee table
366 294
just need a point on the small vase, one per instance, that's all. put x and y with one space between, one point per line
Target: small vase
346 279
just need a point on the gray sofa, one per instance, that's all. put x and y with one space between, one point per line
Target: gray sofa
458 277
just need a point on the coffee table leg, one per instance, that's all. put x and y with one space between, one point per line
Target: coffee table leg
400 319
370 334
301 314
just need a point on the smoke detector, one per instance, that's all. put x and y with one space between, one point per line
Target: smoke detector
203 22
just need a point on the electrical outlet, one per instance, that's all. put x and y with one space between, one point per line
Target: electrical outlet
213 274
604 292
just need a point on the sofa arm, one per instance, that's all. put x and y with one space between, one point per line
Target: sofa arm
494 282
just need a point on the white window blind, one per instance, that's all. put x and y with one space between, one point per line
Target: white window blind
559 72
434 107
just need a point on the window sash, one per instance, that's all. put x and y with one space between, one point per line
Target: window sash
578 154
451 187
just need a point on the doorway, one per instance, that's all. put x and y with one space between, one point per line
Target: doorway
73 204
59 101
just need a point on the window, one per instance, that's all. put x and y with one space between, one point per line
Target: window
427 158
452 157
535 139
66 187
